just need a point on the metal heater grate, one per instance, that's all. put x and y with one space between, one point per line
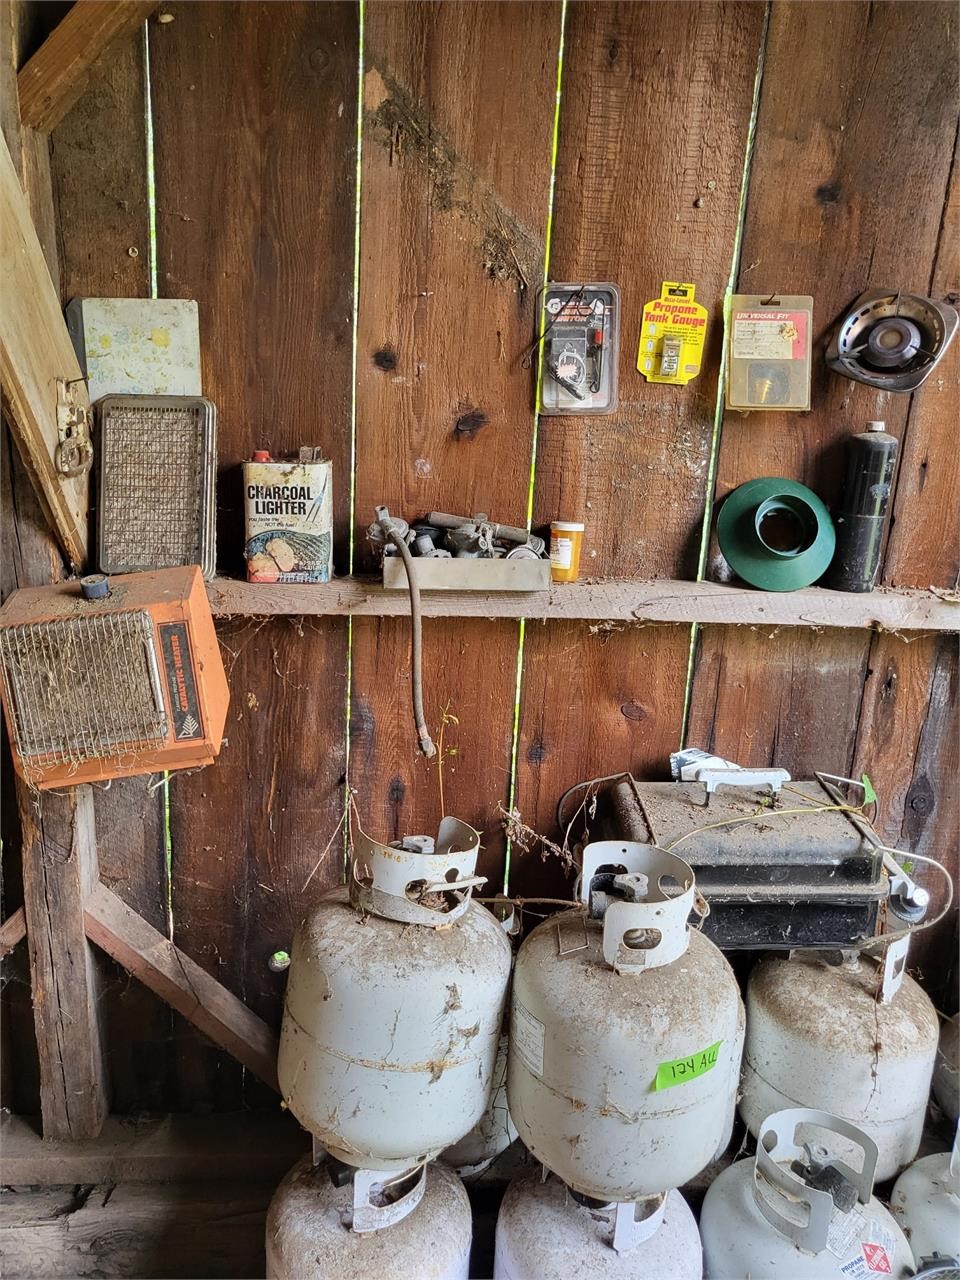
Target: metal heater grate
82 688
157 461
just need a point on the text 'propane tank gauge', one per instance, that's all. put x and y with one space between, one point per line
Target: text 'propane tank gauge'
768 364
580 335
892 341
672 335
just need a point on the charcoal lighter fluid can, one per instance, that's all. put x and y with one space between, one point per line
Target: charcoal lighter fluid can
289 510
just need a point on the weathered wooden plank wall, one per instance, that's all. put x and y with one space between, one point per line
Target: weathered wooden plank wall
832 230
654 122
255 213
254 117
458 120
103 223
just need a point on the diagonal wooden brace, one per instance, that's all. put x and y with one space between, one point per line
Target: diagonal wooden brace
65 905
183 984
59 72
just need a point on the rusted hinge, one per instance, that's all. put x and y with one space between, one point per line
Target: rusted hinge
74 452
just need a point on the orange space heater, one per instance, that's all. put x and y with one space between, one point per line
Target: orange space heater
106 678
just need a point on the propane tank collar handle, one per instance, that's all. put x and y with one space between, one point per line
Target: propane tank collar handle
776 1144
382 876
650 932
368 1215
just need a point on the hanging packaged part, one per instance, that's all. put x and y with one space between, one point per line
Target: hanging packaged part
768 352
860 516
580 338
892 341
672 335
775 534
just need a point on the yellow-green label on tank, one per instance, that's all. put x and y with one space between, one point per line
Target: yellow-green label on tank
683 1069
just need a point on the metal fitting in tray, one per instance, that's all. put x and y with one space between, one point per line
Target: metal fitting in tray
467 553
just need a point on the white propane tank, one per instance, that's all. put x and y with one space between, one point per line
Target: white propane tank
793 1213
543 1233
626 1031
926 1203
946 1073
311 1233
823 1035
494 1131
394 1005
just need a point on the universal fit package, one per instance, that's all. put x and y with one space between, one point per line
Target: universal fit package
289 507
580 339
768 365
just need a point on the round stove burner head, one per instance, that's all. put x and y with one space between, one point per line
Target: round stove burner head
891 341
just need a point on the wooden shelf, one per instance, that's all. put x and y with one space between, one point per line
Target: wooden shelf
606 600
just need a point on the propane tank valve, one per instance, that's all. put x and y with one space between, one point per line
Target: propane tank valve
818 1172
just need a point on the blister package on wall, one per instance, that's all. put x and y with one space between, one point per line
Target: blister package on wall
581 347
768 365
672 335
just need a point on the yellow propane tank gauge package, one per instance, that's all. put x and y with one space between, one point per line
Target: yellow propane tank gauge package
672 335
768 356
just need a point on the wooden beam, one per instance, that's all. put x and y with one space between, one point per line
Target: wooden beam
209 1228
250 1146
12 931
35 355
57 74
611 600
178 980
59 866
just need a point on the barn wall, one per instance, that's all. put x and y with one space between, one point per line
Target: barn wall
774 146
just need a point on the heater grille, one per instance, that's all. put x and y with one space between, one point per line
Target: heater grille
83 688
157 460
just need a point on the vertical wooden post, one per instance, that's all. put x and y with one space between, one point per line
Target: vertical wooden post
59 870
